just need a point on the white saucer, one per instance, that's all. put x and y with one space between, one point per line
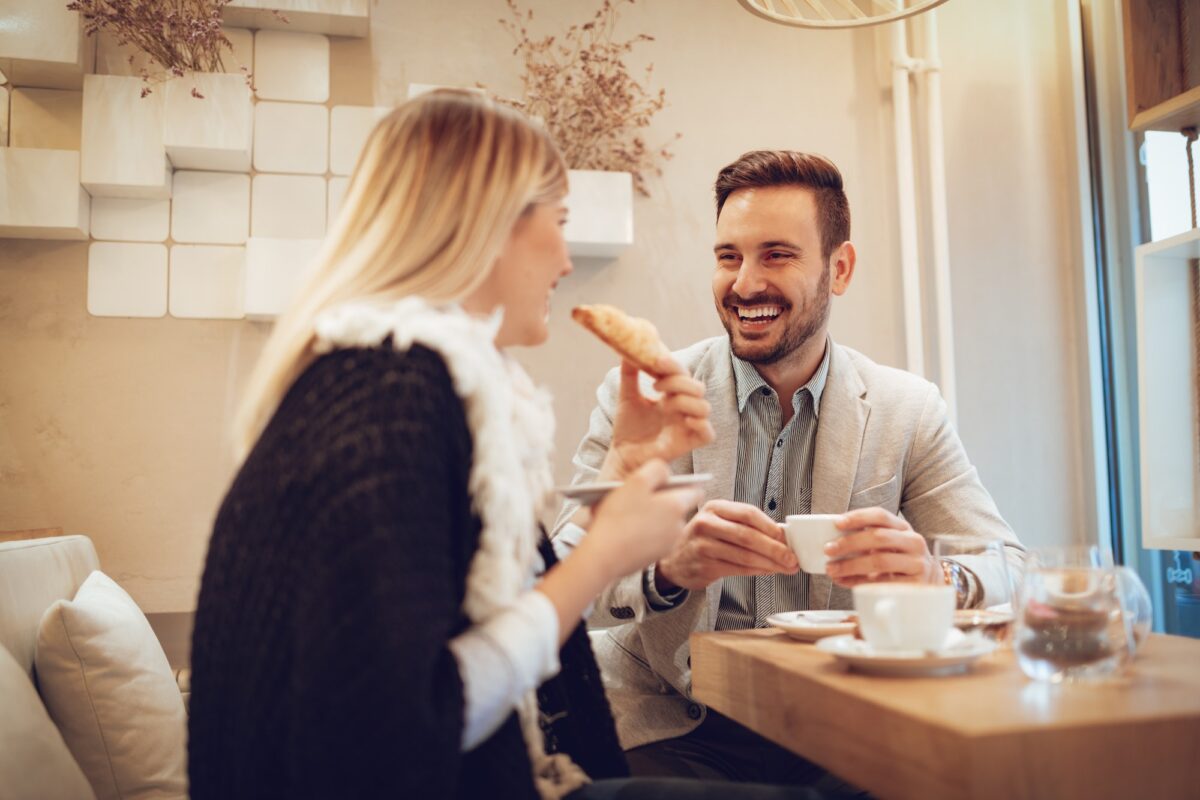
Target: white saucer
860 656
591 493
808 626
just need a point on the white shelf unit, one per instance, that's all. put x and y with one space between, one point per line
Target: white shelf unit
333 17
1167 375
599 213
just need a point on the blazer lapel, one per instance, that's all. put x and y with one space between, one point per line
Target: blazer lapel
720 457
841 423
840 427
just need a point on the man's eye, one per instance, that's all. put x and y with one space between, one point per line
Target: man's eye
775 254
727 257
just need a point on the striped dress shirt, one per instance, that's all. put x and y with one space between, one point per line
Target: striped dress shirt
774 472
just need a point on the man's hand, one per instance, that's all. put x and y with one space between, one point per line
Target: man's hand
876 545
667 427
725 538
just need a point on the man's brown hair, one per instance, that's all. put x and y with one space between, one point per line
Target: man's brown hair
760 168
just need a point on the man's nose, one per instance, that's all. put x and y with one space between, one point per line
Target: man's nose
749 281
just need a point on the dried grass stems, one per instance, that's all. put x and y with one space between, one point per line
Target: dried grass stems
180 36
581 89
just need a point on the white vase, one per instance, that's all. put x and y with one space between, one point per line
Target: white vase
600 213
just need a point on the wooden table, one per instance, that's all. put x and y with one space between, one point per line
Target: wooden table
990 733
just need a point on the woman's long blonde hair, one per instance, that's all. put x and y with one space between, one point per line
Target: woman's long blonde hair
439 186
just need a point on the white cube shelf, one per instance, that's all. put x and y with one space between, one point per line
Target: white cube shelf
600 213
337 193
46 118
127 280
291 66
333 17
41 197
349 127
291 137
122 219
1167 393
210 208
207 282
212 132
123 154
288 207
42 45
418 89
274 270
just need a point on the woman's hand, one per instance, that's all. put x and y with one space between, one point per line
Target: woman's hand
640 522
634 526
665 428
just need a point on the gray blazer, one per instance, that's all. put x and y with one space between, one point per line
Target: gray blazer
883 439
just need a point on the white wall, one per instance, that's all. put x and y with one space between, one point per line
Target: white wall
118 428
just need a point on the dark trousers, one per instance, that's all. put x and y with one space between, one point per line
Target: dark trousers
690 789
723 750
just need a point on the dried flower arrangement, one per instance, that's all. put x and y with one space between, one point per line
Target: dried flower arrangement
580 88
180 36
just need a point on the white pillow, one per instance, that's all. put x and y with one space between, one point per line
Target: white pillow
34 760
107 685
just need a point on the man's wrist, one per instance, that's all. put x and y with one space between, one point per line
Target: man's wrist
661 594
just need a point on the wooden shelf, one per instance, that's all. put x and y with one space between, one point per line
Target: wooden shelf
1162 72
1181 111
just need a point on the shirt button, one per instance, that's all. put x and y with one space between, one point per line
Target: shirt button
779 443
694 710
771 505
765 391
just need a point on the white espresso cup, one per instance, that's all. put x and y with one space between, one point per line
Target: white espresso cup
905 616
807 535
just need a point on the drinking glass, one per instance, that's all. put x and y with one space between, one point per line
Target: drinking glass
1073 623
993 579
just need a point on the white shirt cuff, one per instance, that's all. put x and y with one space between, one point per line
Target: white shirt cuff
502 659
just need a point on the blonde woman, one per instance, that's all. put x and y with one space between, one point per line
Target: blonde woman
380 613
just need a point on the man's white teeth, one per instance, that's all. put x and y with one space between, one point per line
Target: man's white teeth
760 312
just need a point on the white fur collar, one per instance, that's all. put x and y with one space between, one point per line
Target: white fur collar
512 430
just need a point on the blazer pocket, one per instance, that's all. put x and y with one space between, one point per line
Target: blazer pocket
885 495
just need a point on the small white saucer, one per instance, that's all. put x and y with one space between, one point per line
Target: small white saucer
956 657
808 626
589 494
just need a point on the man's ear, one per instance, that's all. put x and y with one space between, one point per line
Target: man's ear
841 261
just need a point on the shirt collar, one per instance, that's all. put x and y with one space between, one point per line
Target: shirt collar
749 381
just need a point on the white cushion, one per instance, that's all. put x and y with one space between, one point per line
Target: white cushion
106 683
34 760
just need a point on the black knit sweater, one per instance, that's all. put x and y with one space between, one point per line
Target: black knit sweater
334 581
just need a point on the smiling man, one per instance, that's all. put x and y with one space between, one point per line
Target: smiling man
803 426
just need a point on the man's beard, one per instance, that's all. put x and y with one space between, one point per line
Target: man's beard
806 323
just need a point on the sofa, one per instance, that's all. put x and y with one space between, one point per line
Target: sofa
73 724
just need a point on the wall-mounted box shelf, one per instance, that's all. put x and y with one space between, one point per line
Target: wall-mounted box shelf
600 213
333 17
42 45
40 195
212 132
274 269
123 154
1167 392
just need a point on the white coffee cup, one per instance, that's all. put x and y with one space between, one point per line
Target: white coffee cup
905 616
807 535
